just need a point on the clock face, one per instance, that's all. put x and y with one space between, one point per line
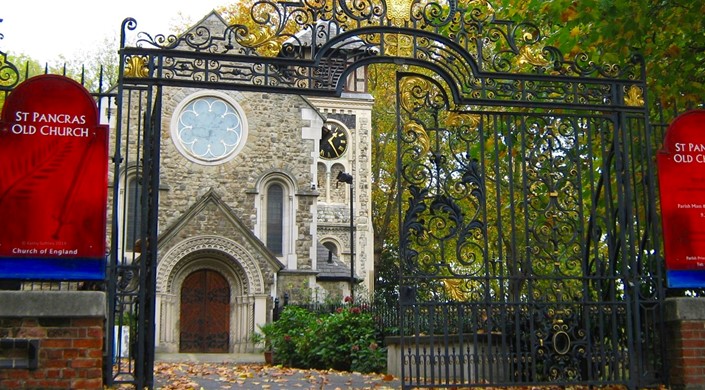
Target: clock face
334 141
209 130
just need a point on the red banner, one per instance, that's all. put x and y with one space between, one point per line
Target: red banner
681 172
53 172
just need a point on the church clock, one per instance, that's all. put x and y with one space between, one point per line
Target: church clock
334 141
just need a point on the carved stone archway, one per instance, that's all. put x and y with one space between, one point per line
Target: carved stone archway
236 253
228 258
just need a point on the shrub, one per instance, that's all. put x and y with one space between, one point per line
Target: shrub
286 335
343 340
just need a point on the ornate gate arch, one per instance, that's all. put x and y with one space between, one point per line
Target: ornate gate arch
528 244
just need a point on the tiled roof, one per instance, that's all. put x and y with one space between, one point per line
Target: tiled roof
330 267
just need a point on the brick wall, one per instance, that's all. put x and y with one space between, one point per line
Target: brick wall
685 342
70 347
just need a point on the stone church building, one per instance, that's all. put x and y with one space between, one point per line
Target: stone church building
251 208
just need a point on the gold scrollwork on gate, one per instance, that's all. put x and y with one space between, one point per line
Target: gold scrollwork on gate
398 45
419 134
453 287
532 55
634 96
561 342
461 119
417 92
561 339
398 11
136 66
263 40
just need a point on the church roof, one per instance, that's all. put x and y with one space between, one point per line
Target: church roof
330 268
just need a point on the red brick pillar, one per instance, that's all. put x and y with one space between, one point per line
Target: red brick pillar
685 342
51 339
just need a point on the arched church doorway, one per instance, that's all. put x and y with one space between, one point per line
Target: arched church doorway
205 313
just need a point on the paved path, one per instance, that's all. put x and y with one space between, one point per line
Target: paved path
247 371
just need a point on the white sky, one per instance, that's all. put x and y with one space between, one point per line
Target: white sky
44 29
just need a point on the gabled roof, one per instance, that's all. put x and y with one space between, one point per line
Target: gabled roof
212 198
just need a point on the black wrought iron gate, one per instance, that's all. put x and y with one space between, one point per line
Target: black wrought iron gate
133 252
528 247
528 237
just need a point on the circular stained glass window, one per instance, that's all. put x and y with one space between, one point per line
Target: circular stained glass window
209 130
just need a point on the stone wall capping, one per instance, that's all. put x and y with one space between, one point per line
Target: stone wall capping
52 304
684 309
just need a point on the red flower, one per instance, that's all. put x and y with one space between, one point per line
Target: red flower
287 338
339 310
348 299
373 346
355 310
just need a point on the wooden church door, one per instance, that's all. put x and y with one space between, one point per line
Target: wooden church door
205 313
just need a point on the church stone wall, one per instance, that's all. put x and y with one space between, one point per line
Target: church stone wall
274 143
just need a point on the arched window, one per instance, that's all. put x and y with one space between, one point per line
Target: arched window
130 211
275 218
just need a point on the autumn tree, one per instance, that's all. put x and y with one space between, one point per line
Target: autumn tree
384 185
667 33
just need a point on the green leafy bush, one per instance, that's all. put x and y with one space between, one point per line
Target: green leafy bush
343 340
287 334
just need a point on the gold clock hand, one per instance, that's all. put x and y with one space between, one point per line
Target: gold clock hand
330 141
